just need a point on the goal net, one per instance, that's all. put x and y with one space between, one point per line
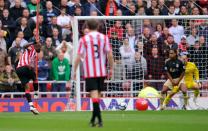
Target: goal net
140 46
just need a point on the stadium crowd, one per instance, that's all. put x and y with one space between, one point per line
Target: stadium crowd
140 46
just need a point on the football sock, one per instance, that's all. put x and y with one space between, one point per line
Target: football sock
28 97
185 97
35 85
196 93
162 99
166 101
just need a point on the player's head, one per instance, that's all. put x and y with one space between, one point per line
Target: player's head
173 53
37 47
92 24
184 57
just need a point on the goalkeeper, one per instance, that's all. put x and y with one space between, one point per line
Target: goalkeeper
191 76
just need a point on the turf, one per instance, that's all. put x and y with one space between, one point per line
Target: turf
113 121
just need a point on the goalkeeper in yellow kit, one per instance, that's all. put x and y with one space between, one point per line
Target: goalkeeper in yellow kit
191 76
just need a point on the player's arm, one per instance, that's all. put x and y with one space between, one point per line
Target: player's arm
78 58
76 64
182 70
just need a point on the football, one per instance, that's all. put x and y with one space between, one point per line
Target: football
122 106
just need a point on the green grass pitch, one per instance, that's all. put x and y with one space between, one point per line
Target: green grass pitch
113 121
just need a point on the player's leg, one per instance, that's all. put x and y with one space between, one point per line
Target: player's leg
92 87
96 107
23 75
183 88
164 92
35 83
195 88
170 95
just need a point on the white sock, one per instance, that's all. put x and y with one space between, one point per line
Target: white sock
31 103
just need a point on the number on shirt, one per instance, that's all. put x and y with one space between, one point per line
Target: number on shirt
96 51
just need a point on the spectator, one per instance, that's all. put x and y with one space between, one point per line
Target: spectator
34 37
61 71
50 27
116 32
164 35
149 11
23 42
3 43
141 11
127 57
64 5
151 44
75 5
25 14
13 3
147 24
183 46
183 10
195 11
132 10
155 65
3 58
24 28
78 11
193 37
65 22
56 38
132 37
41 25
13 51
139 47
67 49
204 11
138 72
49 12
43 72
7 21
49 52
145 35
91 5
8 80
156 12
16 10
169 44
32 6
2 5
159 30
163 8
109 7
177 5
176 30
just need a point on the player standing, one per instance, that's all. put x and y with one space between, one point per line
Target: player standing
26 72
94 47
175 70
191 76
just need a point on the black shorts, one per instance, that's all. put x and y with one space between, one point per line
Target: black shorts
25 74
95 84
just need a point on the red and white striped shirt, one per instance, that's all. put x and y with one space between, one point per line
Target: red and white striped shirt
28 58
94 48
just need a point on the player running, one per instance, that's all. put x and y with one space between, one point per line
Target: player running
26 72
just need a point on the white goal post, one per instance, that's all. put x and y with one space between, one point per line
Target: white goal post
131 84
